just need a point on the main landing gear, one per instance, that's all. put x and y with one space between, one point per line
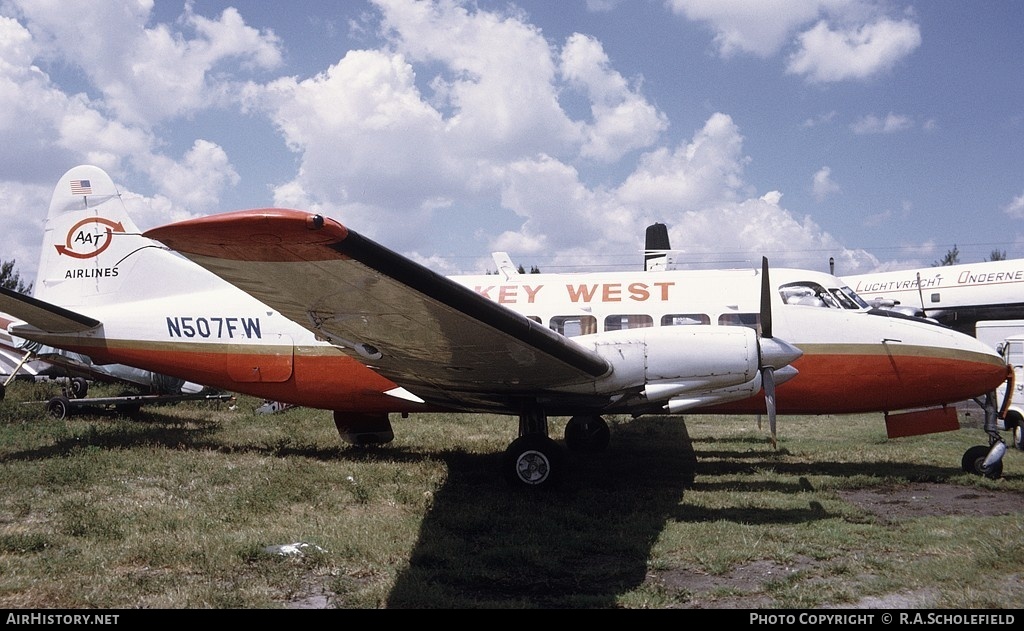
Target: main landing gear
988 461
535 461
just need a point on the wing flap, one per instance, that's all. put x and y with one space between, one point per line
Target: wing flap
413 325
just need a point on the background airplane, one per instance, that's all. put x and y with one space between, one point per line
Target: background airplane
322 317
958 296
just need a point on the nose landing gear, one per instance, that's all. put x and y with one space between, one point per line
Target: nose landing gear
988 461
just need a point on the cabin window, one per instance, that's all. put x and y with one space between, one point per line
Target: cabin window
571 326
683 319
753 320
619 322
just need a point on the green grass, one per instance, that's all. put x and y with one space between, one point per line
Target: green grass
178 507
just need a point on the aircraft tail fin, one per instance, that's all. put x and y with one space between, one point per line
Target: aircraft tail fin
656 247
94 255
505 266
86 236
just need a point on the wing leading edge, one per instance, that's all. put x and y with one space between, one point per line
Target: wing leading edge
422 330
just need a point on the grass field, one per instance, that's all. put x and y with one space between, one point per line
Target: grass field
188 506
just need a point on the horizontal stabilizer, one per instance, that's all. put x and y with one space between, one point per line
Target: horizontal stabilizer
43 316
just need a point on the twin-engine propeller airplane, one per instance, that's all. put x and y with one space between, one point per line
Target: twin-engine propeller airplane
320 316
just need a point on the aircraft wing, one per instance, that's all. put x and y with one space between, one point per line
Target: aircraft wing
42 316
437 338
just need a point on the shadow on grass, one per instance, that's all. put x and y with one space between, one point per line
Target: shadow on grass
151 428
588 542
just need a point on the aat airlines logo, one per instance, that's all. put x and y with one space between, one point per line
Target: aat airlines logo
84 241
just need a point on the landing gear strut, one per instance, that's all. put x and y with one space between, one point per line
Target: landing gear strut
982 460
536 461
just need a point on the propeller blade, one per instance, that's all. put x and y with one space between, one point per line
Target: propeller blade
776 354
766 300
768 381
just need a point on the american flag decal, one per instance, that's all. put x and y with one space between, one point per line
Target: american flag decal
81 187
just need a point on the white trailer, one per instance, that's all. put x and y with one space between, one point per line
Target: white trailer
995 332
1012 349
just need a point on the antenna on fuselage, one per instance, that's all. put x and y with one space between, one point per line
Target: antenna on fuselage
920 295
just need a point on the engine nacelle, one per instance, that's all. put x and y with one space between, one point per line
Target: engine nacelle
683 402
674 359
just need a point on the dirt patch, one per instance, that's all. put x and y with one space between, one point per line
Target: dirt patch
921 500
890 504
749 579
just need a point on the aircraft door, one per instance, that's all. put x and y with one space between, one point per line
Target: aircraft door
266 364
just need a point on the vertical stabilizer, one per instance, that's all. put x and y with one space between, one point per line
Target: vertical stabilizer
93 254
86 239
656 246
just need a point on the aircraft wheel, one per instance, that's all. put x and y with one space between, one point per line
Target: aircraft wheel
973 459
78 388
58 407
587 434
532 461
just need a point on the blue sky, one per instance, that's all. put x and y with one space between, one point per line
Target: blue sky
880 133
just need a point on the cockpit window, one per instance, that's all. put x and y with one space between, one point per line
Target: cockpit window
806 294
849 299
814 295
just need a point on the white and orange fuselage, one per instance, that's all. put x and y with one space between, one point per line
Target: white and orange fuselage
159 311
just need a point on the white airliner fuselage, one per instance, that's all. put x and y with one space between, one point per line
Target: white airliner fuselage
314 314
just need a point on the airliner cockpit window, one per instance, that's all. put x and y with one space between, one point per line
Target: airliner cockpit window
808 294
843 299
848 298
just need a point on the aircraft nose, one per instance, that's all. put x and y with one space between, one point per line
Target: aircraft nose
959 366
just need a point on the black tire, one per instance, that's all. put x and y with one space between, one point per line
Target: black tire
78 388
587 434
973 460
58 407
533 461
